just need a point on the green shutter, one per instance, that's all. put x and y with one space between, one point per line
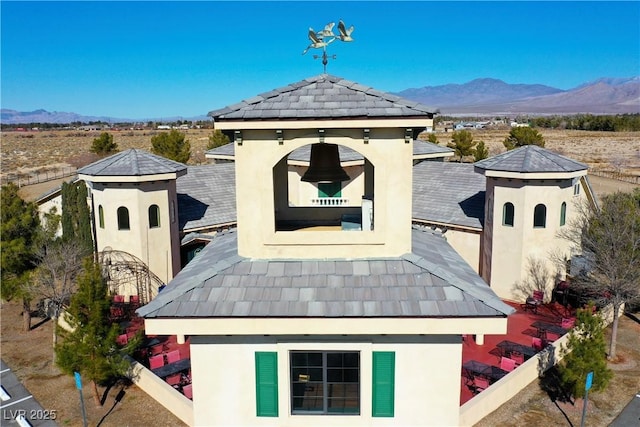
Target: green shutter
383 383
266 384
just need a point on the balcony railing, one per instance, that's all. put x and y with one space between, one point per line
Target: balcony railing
329 201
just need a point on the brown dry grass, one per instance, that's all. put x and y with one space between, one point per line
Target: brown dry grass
30 355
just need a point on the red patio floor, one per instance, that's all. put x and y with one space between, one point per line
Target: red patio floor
519 330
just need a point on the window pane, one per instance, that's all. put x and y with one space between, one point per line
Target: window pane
123 218
154 216
563 214
507 214
101 216
540 216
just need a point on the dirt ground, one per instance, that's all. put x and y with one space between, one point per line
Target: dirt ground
29 355
534 407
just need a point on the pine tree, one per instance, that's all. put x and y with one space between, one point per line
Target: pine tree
585 352
481 152
76 221
521 136
462 143
90 348
217 139
433 138
104 144
171 145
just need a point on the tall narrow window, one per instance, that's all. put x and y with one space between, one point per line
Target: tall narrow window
563 214
540 216
100 216
325 382
154 216
266 384
123 218
383 383
507 214
576 189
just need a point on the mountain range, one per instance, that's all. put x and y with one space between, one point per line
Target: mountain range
484 96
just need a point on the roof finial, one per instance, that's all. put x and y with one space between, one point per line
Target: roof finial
322 39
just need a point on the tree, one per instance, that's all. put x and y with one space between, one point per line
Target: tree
481 152
217 139
432 138
523 135
462 143
59 263
585 352
76 220
104 144
18 230
610 242
90 348
171 145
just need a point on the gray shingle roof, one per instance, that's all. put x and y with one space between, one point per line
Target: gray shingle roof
346 154
530 159
207 196
432 281
132 162
450 193
322 96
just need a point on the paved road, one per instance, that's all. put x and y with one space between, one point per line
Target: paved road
630 415
17 406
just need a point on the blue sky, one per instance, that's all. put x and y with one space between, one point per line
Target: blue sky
164 59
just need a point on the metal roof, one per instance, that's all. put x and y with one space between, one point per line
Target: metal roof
322 96
432 281
132 162
449 193
530 159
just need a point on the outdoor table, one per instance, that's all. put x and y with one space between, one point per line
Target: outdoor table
172 368
475 367
507 347
544 327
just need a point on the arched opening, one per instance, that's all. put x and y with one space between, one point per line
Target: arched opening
123 218
100 216
540 216
563 214
154 216
325 205
508 212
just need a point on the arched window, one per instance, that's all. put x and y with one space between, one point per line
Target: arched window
123 218
154 216
507 214
563 214
540 216
100 216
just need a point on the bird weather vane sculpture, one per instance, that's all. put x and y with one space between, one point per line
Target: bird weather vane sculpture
322 39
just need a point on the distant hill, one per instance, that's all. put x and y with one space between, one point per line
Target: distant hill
607 95
491 96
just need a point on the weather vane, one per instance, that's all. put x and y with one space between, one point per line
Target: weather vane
324 38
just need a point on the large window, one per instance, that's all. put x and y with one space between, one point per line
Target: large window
507 214
563 214
123 218
540 216
154 216
325 382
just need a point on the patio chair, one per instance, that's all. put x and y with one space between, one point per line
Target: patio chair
156 361
157 349
480 384
122 339
174 380
538 296
134 299
188 391
537 344
507 364
518 358
568 322
118 299
173 356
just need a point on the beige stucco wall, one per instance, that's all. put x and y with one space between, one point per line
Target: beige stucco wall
467 245
509 249
157 247
46 207
391 157
427 386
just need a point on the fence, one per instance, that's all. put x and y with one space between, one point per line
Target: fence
37 177
634 179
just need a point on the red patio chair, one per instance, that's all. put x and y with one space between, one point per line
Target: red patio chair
173 356
156 361
507 364
538 296
188 391
568 322
157 349
134 299
174 379
536 343
118 299
480 384
122 339
518 358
